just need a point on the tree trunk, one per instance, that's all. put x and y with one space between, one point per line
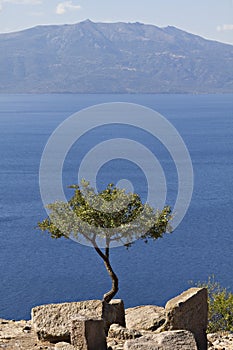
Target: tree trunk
109 295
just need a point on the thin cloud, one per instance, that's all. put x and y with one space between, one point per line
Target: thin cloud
20 2
63 7
36 14
24 2
225 27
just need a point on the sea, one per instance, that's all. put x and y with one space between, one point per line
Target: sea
36 269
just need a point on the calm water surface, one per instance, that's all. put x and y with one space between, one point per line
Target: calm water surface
34 269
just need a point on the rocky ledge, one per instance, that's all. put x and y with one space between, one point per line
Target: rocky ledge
94 325
20 336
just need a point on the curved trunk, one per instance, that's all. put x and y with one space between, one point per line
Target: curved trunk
109 295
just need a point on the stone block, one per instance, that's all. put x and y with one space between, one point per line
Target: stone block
113 313
169 340
148 317
64 346
88 334
189 311
122 333
52 322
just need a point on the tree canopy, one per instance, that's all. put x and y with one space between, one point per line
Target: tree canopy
108 218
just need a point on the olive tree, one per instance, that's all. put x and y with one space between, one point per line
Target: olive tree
110 217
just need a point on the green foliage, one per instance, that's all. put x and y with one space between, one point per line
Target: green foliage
220 303
110 215
104 218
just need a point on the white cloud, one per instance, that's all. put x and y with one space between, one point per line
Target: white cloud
63 7
225 27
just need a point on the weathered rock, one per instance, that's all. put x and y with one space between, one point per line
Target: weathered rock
189 311
220 341
20 336
64 346
87 334
170 340
114 344
118 332
114 312
53 321
148 345
148 317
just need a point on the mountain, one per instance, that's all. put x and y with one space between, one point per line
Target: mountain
119 57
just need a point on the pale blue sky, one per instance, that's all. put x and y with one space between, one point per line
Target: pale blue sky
212 19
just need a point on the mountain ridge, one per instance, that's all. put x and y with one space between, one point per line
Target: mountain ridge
89 57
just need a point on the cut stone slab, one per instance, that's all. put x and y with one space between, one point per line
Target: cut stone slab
148 317
113 312
169 340
88 334
189 311
52 322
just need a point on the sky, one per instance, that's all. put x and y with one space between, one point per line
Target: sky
211 19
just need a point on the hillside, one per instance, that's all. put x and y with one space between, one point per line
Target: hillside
92 57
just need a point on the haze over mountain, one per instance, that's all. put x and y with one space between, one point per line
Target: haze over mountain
119 57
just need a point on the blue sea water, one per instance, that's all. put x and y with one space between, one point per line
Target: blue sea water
34 269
